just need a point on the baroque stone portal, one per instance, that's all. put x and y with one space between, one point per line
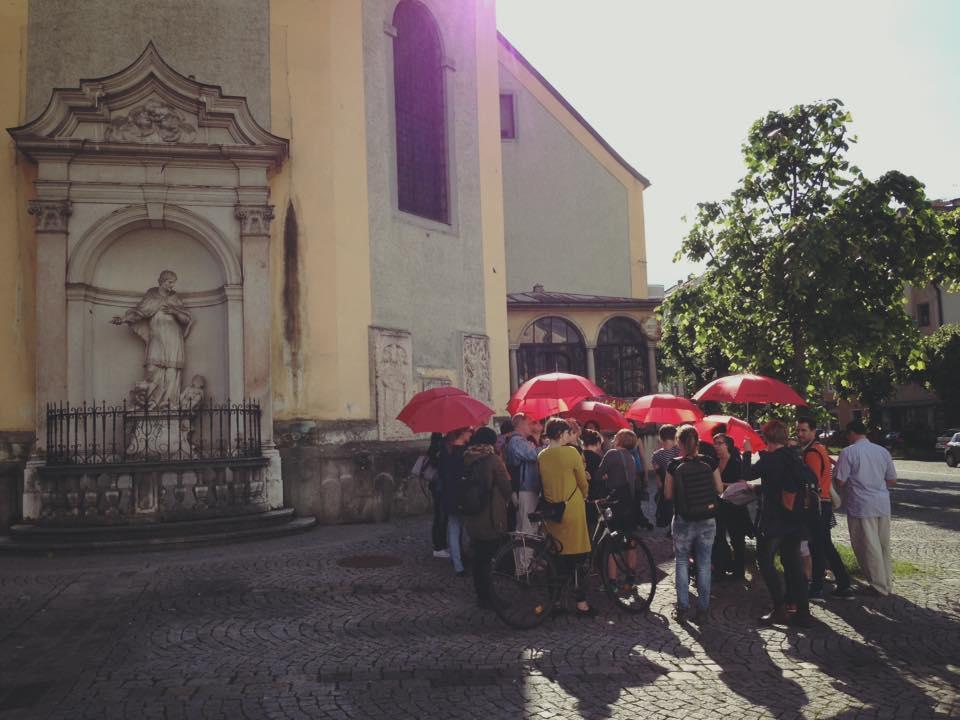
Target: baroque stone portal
163 322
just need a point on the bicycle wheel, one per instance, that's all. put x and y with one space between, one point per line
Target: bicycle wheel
523 582
628 572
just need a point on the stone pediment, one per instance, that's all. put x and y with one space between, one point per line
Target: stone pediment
148 107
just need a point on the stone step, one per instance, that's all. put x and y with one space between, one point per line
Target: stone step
273 523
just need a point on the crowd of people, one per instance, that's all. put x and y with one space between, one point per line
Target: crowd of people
710 498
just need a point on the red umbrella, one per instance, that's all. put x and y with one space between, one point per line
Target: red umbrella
445 412
748 388
607 417
537 408
571 389
737 429
424 397
662 409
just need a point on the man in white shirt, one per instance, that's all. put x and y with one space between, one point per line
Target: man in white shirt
864 473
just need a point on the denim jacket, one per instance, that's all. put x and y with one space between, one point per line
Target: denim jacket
521 458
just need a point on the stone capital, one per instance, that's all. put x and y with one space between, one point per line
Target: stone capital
254 219
52 215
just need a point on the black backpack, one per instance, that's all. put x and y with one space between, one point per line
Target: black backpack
694 494
472 493
801 496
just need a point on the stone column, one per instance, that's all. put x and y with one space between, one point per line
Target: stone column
51 326
591 363
51 307
257 315
514 371
652 363
257 323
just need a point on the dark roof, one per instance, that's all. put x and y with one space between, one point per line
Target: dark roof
563 101
540 298
946 204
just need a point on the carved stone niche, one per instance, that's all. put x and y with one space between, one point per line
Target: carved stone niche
149 159
393 379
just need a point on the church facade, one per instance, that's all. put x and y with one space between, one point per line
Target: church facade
245 233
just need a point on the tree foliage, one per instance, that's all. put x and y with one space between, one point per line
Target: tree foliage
806 264
937 362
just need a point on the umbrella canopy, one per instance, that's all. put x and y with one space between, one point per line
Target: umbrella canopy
663 409
444 412
737 429
571 389
424 397
748 388
607 417
538 408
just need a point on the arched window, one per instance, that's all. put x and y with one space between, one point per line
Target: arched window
550 344
621 358
420 113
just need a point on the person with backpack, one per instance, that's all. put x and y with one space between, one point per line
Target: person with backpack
451 472
822 550
565 481
782 523
485 496
693 483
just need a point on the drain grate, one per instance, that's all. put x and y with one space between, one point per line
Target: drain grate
369 562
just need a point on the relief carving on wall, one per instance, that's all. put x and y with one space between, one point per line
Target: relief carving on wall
52 215
153 122
476 366
393 355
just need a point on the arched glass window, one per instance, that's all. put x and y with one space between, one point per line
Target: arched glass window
550 344
621 359
420 113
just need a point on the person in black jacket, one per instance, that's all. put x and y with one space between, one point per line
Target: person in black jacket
779 530
451 470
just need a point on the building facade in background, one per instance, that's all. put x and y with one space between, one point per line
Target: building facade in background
345 192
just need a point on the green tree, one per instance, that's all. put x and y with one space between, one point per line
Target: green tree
806 264
937 366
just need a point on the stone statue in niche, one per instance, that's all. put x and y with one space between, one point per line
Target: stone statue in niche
163 322
154 121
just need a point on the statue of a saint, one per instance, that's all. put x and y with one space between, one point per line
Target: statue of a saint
163 322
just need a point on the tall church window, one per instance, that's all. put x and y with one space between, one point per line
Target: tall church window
621 359
420 113
551 344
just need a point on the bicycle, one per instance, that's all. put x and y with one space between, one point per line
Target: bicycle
526 584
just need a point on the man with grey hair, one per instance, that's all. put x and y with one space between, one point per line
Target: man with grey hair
520 456
865 472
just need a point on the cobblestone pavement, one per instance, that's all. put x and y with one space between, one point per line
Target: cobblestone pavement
279 630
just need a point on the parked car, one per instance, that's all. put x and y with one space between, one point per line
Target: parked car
892 439
944 437
831 437
951 452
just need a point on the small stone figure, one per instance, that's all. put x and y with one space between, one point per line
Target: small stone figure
192 396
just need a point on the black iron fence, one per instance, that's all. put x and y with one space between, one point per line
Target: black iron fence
100 434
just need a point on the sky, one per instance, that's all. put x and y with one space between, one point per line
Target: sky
674 86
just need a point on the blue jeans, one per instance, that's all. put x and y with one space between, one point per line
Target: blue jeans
454 524
696 537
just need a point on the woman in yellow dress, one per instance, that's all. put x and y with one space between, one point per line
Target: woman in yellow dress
565 480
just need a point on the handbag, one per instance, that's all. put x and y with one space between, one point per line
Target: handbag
553 511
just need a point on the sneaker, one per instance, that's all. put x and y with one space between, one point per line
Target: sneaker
702 617
800 620
846 593
816 595
441 553
777 616
461 573
679 614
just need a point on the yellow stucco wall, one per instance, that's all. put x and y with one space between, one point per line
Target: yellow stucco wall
316 53
633 186
588 321
491 200
17 252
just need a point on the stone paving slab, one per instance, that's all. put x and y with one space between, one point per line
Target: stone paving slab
280 630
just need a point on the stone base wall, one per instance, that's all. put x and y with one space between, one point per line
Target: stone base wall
340 473
15 448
